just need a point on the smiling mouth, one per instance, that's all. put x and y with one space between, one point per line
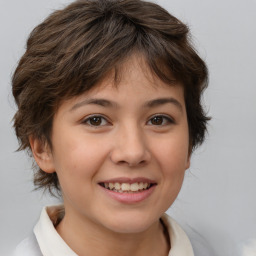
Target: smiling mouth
127 187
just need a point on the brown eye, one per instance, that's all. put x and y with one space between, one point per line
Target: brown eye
157 120
160 120
95 121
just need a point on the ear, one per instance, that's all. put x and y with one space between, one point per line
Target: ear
42 154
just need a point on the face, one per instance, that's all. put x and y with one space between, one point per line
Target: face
120 152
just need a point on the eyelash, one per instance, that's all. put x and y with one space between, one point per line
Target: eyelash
89 119
166 120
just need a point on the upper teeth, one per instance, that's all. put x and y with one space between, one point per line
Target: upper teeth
120 187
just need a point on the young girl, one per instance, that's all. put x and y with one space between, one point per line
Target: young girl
108 95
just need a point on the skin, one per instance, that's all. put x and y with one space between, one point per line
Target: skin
126 142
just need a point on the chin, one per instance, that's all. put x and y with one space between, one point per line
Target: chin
131 224
129 229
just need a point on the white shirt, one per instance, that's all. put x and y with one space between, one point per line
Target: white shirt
47 242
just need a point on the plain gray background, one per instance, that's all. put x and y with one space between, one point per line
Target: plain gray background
216 205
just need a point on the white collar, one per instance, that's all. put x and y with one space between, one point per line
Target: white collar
180 244
51 243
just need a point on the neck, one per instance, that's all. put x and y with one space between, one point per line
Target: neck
88 238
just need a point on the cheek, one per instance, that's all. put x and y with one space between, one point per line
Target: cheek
172 155
172 159
78 158
76 165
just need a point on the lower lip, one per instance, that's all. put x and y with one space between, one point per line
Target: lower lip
129 198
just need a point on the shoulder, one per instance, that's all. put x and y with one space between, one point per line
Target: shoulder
28 247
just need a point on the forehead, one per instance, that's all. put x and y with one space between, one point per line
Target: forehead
133 86
135 69
136 66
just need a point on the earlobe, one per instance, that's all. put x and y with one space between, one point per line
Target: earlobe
42 154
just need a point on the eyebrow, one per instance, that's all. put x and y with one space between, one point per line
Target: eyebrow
100 102
108 103
162 101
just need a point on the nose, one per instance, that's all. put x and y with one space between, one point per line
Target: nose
130 148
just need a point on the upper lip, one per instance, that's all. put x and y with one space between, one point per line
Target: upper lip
129 180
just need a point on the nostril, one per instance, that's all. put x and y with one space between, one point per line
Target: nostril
122 163
140 163
130 156
131 164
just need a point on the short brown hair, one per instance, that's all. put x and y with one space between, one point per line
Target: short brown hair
75 47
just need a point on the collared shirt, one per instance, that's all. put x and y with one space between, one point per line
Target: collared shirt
47 242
